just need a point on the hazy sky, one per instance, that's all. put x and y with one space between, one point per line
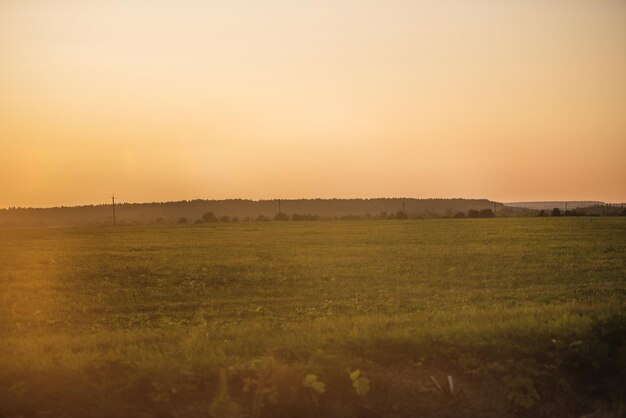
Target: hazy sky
167 100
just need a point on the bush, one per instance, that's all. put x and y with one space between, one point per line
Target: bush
473 213
281 217
235 220
225 219
183 221
460 215
487 213
401 215
556 212
209 217
301 217
262 218
599 358
198 221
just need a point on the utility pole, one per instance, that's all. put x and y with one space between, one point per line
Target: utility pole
279 206
113 200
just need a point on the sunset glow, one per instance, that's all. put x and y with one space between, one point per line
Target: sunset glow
157 100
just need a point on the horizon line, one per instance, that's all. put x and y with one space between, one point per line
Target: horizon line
60 206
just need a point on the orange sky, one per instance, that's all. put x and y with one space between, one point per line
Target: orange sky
167 100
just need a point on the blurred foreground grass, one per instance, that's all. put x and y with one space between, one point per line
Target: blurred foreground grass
271 319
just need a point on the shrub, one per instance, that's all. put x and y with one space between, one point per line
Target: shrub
281 217
556 212
350 218
401 215
460 215
209 217
302 217
183 220
473 213
225 219
487 213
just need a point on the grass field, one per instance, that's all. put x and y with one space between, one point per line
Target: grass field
271 319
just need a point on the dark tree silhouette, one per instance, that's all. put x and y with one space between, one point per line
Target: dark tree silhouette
281 217
209 217
556 212
487 213
401 215
473 213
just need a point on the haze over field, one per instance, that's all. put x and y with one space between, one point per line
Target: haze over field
156 100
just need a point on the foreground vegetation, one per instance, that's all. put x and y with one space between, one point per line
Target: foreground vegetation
439 317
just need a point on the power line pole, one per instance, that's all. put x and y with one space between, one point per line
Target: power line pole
279 206
113 200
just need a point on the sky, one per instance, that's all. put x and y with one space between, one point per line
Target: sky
153 100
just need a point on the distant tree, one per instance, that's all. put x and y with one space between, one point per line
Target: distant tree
460 215
235 220
304 217
350 218
487 213
225 219
401 215
183 220
542 213
556 212
281 217
209 217
198 221
473 213
262 218
159 220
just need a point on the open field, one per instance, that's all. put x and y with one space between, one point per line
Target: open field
525 314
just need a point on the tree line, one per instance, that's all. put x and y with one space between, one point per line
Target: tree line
210 217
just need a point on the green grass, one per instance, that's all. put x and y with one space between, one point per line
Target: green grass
145 319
